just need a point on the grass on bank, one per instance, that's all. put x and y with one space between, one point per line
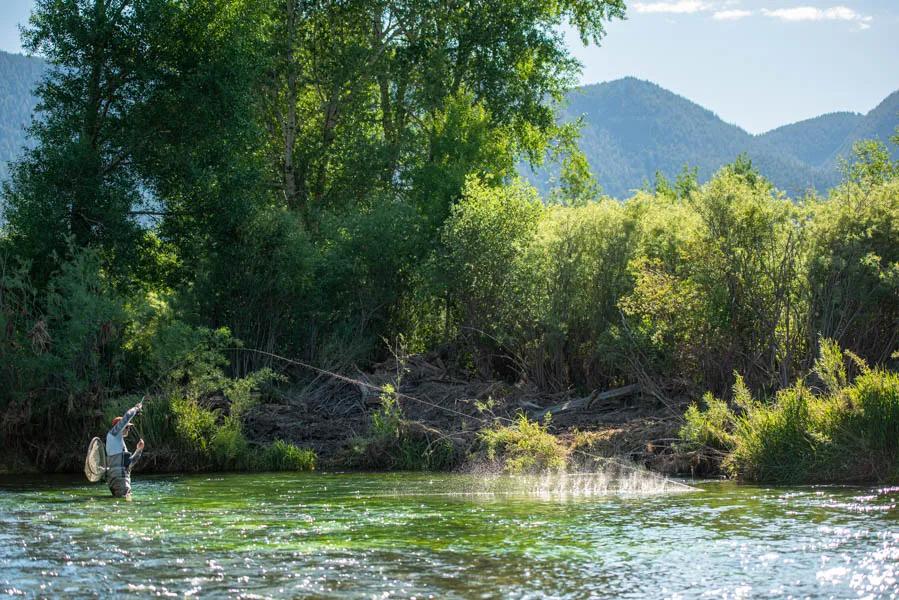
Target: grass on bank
845 432
182 435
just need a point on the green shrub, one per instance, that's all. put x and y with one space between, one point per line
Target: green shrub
779 442
725 293
488 280
848 433
228 448
865 430
60 354
525 446
854 260
281 456
195 426
710 428
579 261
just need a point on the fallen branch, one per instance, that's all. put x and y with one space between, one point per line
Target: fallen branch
587 401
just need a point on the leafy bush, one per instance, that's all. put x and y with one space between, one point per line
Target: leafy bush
726 293
849 433
580 261
525 446
854 259
779 442
487 278
60 352
709 428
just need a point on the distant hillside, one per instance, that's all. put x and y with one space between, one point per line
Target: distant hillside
878 124
18 77
633 128
814 141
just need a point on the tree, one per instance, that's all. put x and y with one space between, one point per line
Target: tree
359 90
139 93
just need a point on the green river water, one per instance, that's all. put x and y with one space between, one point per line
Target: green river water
443 536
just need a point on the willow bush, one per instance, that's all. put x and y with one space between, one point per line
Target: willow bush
854 259
523 446
686 286
726 291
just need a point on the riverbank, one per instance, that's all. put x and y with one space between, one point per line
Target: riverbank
432 408
840 424
440 406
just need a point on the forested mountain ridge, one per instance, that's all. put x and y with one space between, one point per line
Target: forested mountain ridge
814 141
18 77
633 128
879 124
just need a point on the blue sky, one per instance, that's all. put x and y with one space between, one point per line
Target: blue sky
756 63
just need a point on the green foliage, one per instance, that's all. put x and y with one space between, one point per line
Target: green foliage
854 260
60 352
850 433
308 179
122 110
281 456
485 269
725 292
708 428
524 447
580 259
388 420
182 434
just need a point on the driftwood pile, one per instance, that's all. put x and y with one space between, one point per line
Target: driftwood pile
328 411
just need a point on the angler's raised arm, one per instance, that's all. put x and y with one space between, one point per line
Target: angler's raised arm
126 418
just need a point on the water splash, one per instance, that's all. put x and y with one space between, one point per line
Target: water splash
572 486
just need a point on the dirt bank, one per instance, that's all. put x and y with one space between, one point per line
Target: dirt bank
327 414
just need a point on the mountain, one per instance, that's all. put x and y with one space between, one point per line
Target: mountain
878 124
814 141
633 128
19 75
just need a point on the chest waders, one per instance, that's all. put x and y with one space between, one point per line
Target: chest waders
118 474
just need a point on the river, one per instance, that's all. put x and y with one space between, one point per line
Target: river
443 536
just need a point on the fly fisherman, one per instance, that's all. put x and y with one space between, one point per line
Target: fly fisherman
119 461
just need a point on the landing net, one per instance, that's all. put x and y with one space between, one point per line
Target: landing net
95 461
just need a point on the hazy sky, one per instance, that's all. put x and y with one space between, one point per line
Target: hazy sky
756 63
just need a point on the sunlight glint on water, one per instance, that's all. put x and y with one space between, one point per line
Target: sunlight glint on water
445 536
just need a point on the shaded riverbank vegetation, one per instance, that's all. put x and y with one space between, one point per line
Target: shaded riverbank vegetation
314 180
844 429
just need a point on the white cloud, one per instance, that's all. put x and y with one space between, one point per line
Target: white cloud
678 7
810 13
720 9
731 15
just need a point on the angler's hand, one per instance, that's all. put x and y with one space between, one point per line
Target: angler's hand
140 444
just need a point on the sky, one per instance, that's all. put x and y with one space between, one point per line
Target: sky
756 63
